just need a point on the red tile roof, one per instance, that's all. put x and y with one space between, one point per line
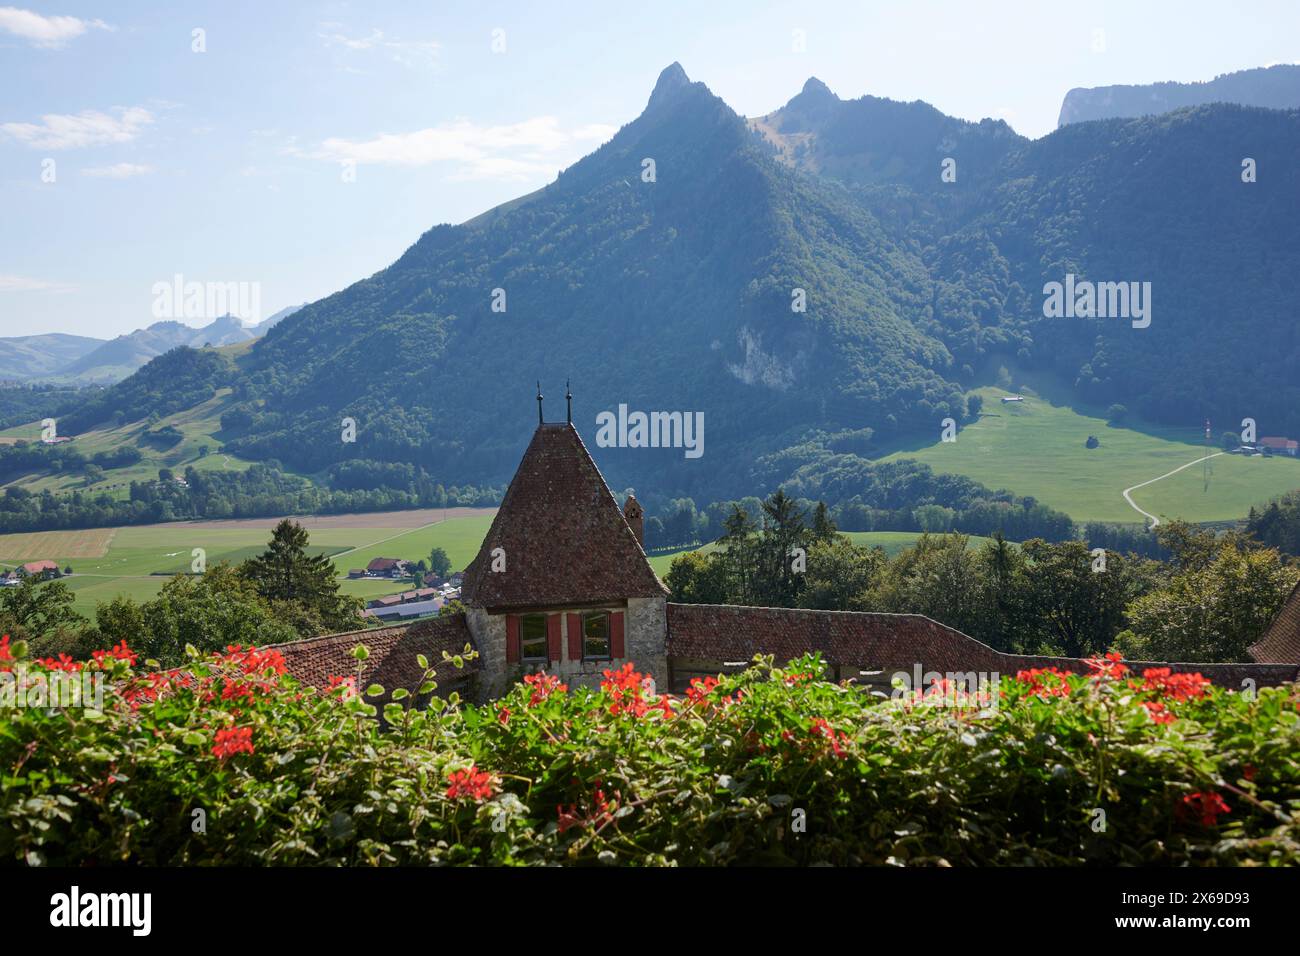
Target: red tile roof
1280 643
392 662
34 567
564 536
383 564
889 642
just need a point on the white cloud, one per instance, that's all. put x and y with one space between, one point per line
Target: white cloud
42 31
410 53
87 128
28 284
511 152
117 171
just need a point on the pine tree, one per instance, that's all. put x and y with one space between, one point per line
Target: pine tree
284 572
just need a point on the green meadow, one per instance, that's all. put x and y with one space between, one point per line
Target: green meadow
1038 448
139 560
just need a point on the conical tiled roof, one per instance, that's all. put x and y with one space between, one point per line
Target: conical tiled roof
564 538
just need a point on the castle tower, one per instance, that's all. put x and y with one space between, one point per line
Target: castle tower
561 582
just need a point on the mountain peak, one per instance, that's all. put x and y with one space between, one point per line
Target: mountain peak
816 87
672 79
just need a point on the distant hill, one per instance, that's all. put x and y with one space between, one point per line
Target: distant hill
80 360
31 356
1275 87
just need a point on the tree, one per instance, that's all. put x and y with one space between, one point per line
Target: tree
35 609
285 573
1210 611
209 611
439 563
1116 414
841 576
1066 607
699 578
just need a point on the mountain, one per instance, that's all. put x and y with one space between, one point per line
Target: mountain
877 141
666 270
79 360
1275 87
121 356
31 356
261 327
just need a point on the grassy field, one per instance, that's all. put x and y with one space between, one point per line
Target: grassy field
200 426
1037 448
136 561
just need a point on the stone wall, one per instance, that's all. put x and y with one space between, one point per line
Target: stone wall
644 630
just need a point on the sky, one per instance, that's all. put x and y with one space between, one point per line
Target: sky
298 147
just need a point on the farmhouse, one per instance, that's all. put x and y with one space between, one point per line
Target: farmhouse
40 569
561 583
387 568
1280 446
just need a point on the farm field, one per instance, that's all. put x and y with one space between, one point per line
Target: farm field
136 561
1037 449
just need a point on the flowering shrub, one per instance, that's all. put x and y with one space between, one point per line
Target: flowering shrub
769 766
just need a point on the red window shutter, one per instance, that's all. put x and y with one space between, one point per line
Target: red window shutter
575 637
553 636
616 634
512 638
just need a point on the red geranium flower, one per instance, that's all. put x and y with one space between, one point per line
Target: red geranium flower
233 740
1204 807
473 783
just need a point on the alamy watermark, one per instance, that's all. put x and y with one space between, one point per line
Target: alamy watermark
38 689
1083 299
960 689
651 430
179 299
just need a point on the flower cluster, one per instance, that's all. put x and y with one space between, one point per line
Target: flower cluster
1204 808
233 740
252 661
822 730
1109 666
347 683
631 693
1045 682
600 811
543 686
1161 681
476 784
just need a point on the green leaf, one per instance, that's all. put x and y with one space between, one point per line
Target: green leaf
422 661
361 652
194 739
401 693
374 690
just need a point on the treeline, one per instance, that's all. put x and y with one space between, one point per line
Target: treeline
1210 601
902 495
1278 525
25 458
20 404
262 490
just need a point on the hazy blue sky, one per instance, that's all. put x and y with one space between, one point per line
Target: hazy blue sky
225 165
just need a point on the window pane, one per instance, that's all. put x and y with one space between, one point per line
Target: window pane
595 633
532 637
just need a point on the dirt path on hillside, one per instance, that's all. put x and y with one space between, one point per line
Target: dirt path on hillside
1154 520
